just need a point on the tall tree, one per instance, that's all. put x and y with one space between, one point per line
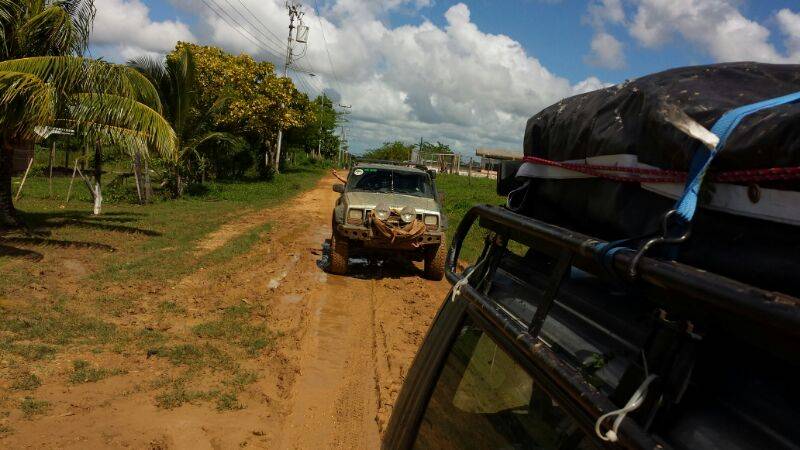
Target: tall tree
391 151
44 82
175 78
258 102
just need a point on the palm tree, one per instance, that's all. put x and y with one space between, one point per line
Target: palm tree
45 82
175 78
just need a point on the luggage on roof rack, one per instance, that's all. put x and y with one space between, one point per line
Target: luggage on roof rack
612 162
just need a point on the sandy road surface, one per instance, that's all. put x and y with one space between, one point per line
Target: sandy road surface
344 346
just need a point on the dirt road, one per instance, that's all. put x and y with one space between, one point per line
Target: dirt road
343 346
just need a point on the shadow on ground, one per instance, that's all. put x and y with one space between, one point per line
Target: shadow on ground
372 268
39 228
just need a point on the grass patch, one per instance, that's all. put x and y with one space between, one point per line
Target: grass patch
26 381
461 194
167 307
234 326
31 407
84 372
238 245
197 356
57 326
115 306
31 352
225 396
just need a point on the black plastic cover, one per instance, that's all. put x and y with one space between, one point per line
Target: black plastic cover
629 118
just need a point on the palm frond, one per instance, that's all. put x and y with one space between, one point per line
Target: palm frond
210 137
49 32
25 102
73 73
119 112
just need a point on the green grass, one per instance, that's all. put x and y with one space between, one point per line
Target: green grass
26 381
154 241
84 372
461 194
31 407
235 326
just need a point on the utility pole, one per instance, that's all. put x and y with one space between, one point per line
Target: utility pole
295 13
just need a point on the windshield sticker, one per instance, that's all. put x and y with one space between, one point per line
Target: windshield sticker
358 172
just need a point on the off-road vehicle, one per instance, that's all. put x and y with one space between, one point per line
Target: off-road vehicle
389 209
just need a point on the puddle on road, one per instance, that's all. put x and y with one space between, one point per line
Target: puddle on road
290 299
276 282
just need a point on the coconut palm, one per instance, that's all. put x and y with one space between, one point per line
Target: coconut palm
45 82
175 78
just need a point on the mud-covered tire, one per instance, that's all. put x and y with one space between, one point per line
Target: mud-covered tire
339 255
434 261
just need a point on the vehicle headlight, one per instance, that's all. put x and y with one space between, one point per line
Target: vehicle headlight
382 211
355 216
431 220
408 214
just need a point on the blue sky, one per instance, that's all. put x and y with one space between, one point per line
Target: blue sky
467 73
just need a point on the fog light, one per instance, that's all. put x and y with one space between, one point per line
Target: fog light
355 216
408 214
431 220
382 211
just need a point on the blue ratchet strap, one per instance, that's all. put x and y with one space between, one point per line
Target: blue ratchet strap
687 204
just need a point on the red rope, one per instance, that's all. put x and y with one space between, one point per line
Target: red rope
646 175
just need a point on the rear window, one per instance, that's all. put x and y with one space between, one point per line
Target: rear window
390 181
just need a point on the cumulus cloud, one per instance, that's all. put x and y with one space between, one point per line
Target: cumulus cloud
451 82
123 30
715 26
607 52
789 23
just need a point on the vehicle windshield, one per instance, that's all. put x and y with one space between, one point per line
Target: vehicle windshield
390 181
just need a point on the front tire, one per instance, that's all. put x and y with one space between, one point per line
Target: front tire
339 254
435 260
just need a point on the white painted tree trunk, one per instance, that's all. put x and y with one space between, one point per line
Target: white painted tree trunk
98 199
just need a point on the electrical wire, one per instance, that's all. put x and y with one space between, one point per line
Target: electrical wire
253 26
327 50
266 28
241 30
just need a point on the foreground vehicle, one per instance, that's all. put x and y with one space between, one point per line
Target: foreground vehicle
541 346
389 209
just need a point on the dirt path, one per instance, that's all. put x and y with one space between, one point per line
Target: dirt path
343 347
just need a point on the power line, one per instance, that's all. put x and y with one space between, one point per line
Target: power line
327 50
252 25
241 30
266 28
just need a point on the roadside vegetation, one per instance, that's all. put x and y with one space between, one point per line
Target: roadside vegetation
461 194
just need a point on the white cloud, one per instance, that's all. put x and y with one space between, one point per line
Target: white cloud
715 26
453 83
123 30
789 23
607 52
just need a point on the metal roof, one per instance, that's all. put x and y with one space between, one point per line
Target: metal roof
388 167
499 153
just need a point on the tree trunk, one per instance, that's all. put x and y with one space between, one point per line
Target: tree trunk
8 215
148 188
98 172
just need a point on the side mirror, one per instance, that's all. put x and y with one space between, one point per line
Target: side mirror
338 187
432 174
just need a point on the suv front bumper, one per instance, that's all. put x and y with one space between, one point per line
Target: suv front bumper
368 237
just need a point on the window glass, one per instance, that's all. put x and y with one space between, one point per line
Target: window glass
484 399
375 180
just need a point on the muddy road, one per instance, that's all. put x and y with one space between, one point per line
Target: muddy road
343 345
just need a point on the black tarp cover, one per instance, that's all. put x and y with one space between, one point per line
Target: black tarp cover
629 118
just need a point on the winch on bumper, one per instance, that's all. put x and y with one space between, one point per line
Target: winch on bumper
369 238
